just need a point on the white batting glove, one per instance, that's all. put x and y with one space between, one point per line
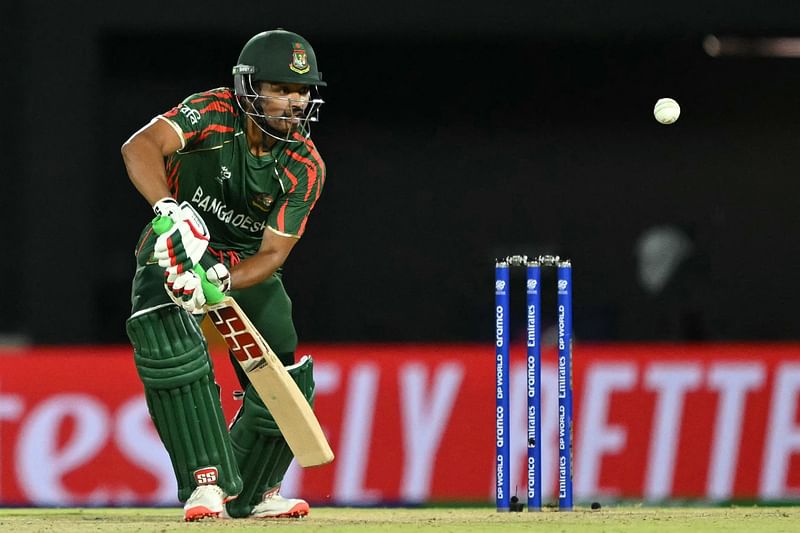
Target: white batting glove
220 276
186 290
180 248
167 207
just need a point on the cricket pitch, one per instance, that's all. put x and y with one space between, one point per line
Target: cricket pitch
637 519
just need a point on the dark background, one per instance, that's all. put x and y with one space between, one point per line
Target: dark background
454 133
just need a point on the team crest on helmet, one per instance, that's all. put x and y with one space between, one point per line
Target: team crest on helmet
299 62
262 201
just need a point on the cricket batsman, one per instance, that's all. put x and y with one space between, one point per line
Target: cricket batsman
237 173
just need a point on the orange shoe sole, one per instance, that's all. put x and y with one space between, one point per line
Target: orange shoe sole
298 511
198 513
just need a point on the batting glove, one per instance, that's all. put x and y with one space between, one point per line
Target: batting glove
186 290
219 275
180 248
167 207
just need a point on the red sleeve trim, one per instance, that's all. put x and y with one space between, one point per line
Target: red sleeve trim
225 94
291 177
302 226
222 107
311 170
218 128
282 217
312 150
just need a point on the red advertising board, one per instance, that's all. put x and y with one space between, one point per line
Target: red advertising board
415 423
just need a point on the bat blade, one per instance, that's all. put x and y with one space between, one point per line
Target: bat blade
272 382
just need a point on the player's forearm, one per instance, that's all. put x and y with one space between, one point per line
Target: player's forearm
256 269
145 166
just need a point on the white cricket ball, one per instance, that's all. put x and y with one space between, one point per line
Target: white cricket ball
667 110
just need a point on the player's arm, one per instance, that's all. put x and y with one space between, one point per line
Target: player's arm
179 249
144 156
271 255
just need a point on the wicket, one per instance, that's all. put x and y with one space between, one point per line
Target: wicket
534 387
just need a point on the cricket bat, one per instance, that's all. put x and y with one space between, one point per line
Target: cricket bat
272 381
266 372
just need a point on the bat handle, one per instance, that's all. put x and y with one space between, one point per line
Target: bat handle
162 224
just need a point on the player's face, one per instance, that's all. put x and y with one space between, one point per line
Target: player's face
284 104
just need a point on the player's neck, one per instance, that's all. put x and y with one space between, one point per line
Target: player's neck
260 143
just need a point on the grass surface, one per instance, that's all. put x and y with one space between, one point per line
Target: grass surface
608 519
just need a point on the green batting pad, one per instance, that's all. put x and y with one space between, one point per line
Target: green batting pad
172 359
261 451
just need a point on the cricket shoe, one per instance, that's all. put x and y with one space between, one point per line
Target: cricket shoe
206 501
273 505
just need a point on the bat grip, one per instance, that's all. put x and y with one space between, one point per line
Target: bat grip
162 224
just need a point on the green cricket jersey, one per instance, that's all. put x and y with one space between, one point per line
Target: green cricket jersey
239 195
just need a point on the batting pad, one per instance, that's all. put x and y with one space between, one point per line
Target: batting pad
261 451
172 359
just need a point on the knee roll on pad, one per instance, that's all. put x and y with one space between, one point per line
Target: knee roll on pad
261 451
172 360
